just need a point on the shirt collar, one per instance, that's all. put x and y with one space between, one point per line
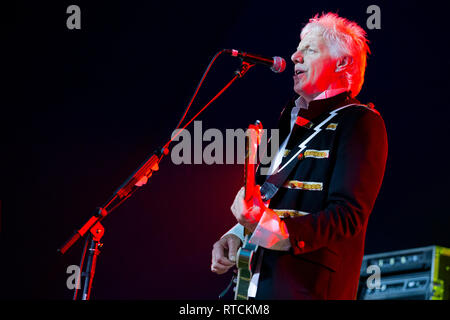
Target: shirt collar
302 104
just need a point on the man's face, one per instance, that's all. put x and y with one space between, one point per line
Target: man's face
314 66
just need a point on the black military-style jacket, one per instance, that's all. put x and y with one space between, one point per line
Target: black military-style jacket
326 200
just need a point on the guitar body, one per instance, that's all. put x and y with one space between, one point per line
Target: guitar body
246 253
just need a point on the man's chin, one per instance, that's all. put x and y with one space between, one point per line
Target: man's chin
299 90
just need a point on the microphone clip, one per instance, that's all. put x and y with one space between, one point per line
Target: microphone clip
245 66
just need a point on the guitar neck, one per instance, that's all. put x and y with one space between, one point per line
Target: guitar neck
245 253
252 139
249 168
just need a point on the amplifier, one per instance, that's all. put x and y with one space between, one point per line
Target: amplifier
413 274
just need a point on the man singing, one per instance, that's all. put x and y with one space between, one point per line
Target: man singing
311 233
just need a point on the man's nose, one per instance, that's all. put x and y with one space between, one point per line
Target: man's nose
297 57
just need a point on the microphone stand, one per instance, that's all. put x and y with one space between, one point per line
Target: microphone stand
93 226
94 237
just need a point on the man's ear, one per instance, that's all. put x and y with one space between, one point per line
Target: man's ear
343 63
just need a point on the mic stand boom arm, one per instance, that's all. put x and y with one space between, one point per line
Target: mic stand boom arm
136 180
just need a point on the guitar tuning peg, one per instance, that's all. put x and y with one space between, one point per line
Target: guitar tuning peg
234 280
234 289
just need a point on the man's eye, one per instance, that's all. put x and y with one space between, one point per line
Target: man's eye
311 50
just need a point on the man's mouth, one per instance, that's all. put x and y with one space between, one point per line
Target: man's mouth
297 72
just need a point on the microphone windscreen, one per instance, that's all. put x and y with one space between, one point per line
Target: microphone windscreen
279 64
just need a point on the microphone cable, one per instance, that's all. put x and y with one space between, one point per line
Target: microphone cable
237 75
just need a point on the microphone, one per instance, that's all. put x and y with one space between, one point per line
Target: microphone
276 64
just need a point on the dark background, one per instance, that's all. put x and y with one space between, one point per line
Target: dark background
81 109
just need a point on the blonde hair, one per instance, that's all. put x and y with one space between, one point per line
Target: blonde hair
344 38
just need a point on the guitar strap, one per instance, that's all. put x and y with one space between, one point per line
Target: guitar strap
273 182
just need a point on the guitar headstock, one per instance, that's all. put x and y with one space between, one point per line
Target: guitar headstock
256 129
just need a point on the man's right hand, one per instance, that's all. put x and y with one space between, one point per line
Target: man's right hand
224 253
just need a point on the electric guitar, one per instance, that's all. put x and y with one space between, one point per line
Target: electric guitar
246 252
